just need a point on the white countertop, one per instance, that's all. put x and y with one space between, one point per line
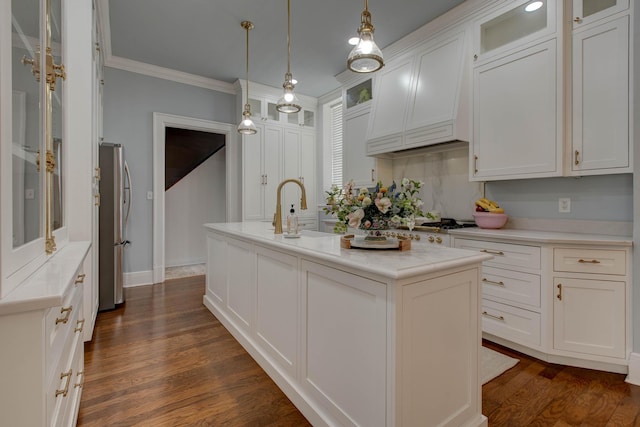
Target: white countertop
542 236
394 264
48 286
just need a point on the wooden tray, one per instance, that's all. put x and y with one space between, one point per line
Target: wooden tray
349 242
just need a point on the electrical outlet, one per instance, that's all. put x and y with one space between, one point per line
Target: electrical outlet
564 205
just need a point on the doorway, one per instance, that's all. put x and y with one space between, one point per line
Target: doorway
160 123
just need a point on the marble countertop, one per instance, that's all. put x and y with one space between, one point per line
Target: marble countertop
553 237
394 264
48 286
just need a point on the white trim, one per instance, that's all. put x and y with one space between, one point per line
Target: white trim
634 369
167 74
138 278
160 122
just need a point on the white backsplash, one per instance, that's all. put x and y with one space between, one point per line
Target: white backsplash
446 181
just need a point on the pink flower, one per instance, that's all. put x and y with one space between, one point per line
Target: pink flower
355 218
383 204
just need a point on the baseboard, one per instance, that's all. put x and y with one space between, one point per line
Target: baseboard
138 278
634 369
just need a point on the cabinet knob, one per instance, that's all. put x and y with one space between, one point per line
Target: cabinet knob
577 19
475 57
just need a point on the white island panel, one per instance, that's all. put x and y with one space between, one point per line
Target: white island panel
345 344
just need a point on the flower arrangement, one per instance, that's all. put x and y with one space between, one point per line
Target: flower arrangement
377 209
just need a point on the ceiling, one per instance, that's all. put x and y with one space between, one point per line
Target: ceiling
204 37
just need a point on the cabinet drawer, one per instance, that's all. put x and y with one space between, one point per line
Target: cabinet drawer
60 324
61 388
590 261
512 286
504 254
511 323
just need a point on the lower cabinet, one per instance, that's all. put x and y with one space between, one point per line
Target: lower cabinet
565 303
41 330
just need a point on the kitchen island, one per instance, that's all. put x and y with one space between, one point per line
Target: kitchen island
353 336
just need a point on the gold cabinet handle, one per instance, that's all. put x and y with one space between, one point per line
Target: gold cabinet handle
97 199
489 251
493 316
593 261
577 19
559 296
65 390
576 154
64 310
373 171
475 163
491 282
79 326
80 278
81 382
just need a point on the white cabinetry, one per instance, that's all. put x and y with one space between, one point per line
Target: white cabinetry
365 171
511 293
601 98
559 297
300 163
589 306
262 172
284 147
517 101
587 11
418 96
42 344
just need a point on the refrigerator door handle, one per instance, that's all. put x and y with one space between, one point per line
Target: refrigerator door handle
129 188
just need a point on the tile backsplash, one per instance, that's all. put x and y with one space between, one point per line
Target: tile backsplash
446 181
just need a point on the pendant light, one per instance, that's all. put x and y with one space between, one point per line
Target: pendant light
288 103
366 56
246 126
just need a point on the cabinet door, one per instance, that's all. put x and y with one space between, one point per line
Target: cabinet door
392 88
253 175
589 316
291 192
308 171
357 165
272 161
601 98
587 11
517 99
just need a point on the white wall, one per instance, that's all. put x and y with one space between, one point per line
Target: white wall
196 199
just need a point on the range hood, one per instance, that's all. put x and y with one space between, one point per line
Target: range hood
421 98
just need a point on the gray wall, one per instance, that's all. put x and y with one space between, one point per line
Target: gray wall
600 198
129 103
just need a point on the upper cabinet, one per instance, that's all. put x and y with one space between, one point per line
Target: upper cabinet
601 99
420 96
587 11
32 138
517 93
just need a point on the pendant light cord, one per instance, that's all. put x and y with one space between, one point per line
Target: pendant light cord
289 37
247 65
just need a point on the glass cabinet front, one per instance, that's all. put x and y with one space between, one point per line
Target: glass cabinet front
27 183
515 24
56 116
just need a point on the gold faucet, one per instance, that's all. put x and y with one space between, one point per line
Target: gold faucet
277 217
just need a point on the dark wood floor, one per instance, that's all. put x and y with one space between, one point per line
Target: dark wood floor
162 359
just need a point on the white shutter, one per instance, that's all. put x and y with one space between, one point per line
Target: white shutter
336 143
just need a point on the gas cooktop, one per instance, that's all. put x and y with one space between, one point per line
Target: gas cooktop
442 226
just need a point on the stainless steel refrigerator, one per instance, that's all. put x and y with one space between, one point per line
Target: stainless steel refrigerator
115 206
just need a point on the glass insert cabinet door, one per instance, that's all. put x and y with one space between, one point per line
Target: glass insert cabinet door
31 133
27 117
586 11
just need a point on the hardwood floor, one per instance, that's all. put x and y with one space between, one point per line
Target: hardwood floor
162 359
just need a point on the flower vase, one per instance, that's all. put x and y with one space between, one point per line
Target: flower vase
374 229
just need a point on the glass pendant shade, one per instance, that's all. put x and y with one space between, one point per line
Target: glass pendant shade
288 102
366 56
246 126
